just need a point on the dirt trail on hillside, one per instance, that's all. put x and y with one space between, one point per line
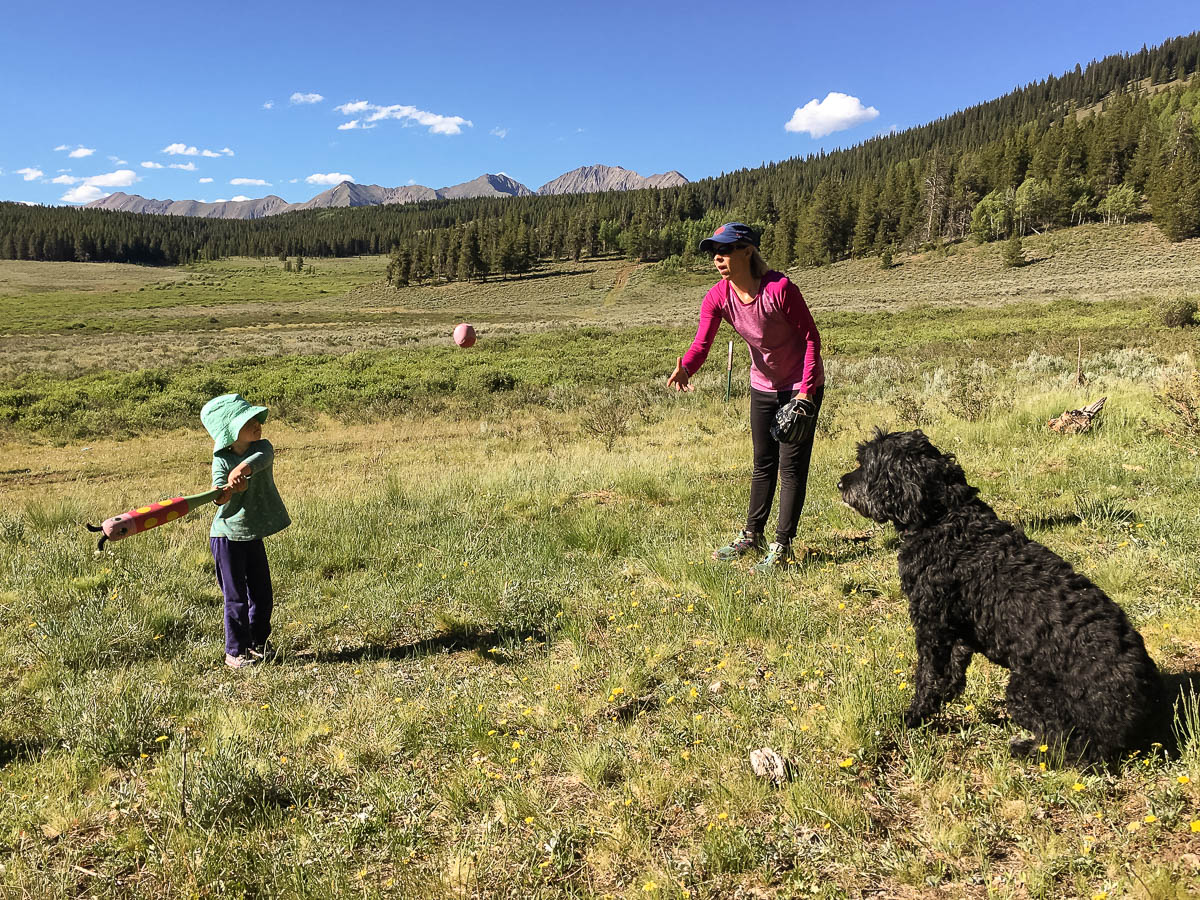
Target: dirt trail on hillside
622 278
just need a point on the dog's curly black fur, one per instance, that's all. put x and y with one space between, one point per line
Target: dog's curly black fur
1080 677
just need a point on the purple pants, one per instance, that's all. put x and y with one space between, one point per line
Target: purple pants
245 580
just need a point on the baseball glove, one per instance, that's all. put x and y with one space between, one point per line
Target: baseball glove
795 421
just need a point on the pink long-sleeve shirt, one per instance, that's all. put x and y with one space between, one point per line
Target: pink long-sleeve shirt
785 347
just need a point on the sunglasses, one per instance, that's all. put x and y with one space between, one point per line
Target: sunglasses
727 251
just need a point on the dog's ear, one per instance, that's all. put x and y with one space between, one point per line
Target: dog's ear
912 483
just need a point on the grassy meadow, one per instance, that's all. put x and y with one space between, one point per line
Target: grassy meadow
506 665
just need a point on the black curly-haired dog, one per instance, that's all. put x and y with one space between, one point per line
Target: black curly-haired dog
1080 677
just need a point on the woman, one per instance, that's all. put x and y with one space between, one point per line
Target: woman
770 314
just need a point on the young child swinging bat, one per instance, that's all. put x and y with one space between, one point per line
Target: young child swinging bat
249 509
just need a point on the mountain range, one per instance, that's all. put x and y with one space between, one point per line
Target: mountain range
584 180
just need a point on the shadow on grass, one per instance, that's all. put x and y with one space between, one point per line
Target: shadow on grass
840 553
488 642
1182 690
22 749
1049 521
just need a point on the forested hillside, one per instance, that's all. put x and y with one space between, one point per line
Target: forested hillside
1106 142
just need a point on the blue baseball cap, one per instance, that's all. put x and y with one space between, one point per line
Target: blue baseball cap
729 233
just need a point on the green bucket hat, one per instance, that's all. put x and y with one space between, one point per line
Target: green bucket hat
224 417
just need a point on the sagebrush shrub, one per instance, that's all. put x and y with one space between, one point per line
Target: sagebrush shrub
1180 396
971 392
1178 313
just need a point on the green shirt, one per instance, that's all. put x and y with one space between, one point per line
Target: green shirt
257 511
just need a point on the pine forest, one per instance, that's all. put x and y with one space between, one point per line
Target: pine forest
1112 141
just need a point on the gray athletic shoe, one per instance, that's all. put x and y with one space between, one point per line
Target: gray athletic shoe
746 542
778 558
239 662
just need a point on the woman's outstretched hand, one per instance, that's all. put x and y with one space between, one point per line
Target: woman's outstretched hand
679 378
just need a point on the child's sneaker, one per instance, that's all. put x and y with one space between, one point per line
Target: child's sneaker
746 542
778 558
239 662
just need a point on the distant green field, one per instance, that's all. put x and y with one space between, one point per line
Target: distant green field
565 367
251 308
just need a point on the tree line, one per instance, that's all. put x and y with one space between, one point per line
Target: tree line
1098 143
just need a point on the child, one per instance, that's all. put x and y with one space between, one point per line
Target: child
250 510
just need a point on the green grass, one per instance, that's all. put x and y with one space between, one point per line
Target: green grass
567 368
507 666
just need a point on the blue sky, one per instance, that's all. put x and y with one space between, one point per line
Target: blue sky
217 100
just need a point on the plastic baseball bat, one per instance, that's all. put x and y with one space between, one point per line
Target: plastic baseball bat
143 518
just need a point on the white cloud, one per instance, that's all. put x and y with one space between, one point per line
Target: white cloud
206 181
270 104
346 126
257 181
151 165
328 178
61 147
85 193
30 174
499 132
187 166
186 150
293 180
836 112
220 200
89 190
306 98
81 152
436 123
239 198
117 161
119 178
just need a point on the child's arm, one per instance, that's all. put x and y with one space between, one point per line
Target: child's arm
239 477
220 479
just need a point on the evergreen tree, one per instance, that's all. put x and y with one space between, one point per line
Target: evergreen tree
819 240
1175 200
1014 253
470 259
866 223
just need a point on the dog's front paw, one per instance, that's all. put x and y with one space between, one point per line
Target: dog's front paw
913 718
1021 747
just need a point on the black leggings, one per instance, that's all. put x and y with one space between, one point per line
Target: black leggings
787 463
